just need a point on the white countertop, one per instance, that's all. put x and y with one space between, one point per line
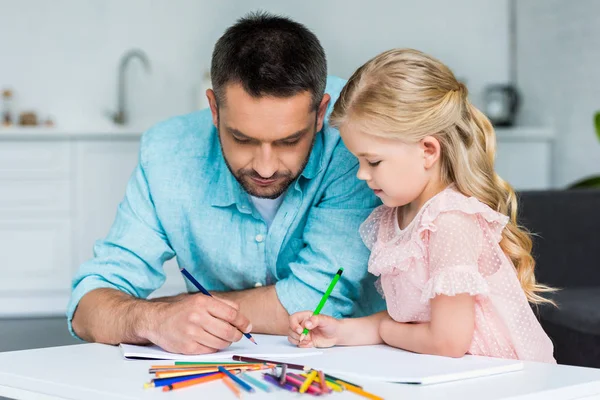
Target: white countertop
96 371
58 132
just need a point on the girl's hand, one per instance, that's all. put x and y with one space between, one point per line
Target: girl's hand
323 330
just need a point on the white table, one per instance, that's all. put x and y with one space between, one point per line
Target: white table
98 372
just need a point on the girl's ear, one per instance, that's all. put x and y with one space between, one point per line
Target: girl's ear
431 151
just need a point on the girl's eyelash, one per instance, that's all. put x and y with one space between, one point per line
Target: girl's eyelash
373 164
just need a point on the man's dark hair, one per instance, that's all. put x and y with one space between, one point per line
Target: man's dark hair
269 55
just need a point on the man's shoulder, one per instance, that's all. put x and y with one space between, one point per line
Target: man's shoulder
334 88
189 135
340 158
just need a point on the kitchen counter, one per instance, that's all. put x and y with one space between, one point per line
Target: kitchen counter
96 132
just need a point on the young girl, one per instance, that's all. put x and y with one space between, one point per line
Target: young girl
455 269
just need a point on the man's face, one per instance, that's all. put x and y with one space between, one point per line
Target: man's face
266 141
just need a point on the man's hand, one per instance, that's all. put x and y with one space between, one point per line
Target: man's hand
185 324
197 324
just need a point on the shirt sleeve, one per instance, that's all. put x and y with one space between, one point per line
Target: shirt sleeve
454 247
131 257
332 241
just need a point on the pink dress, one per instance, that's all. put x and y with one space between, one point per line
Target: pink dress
451 247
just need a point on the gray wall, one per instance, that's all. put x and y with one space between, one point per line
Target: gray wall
61 56
559 75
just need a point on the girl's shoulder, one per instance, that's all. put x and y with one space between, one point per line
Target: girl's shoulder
451 207
380 220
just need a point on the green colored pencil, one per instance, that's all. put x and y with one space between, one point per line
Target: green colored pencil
336 278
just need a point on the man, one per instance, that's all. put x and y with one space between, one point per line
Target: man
256 197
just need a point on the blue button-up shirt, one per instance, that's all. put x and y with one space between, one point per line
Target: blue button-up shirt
182 201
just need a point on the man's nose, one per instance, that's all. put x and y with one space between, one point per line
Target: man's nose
265 161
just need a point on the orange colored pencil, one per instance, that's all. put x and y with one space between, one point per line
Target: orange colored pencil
172 374
323 382
192 382
184 372
231 385
200 366
358 391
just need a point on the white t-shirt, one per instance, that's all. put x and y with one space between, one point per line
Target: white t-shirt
267 207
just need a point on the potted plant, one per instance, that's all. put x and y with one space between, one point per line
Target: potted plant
592 181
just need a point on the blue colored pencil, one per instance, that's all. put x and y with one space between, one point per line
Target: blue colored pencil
237 380
256 382
167 381
204 291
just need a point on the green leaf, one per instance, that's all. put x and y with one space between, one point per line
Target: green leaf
597 123
587 183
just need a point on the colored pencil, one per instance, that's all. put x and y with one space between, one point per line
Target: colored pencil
317 311
294 380
308 381
232 386
323 382
256 382
170 374
167 381
173 374
210 363
334 379
283 374
167 368
359 391
273 380
205 292
190 382
259 360
330 384
237 380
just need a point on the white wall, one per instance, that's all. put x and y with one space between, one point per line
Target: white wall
61 56
559 75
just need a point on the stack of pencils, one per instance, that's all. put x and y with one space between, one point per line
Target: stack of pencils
235 375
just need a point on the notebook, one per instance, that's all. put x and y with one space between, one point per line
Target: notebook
384 363
267 346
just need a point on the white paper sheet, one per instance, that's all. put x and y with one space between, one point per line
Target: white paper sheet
384 363
268 347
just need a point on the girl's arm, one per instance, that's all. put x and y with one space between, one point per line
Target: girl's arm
361 331
449 333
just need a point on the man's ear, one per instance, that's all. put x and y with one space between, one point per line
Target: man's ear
431 150
214 110
322 110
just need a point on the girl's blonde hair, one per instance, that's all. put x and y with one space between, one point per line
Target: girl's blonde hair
407 95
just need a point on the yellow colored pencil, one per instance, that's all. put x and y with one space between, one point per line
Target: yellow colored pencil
333 386
309 380
358 391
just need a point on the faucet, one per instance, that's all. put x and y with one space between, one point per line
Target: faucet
120 117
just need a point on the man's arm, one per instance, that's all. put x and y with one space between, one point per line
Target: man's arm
111 316
107 302
262 307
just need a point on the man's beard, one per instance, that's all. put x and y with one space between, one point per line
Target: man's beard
244 177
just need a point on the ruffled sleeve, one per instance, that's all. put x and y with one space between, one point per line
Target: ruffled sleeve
454 244
369 230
